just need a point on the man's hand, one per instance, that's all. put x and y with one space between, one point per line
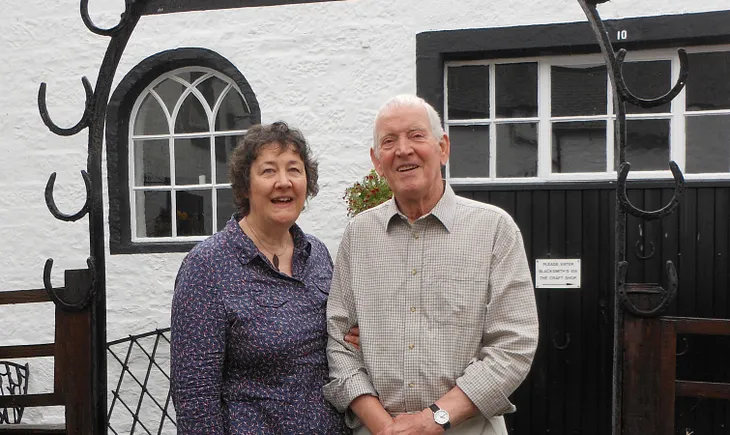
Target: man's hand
353 337
413 424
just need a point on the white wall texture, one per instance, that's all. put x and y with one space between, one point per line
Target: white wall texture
324 68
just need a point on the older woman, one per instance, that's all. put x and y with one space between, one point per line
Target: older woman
248 313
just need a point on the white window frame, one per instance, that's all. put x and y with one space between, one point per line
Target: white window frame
173 188
676 116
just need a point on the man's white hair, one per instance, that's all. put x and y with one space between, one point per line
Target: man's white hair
407 100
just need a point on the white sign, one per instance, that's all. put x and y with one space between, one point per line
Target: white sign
558 273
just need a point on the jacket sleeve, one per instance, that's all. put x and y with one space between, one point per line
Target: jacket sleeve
510 336
349 377
198 331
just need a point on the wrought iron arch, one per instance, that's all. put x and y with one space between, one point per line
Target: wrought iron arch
118 119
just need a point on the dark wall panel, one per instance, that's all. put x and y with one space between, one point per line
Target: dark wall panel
569 387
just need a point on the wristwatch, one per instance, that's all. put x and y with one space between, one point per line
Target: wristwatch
440 416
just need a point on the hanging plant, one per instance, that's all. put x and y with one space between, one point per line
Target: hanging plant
372 190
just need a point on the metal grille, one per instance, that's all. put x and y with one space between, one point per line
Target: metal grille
140 401
13 381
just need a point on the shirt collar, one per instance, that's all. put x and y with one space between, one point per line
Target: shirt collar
443 211
245 247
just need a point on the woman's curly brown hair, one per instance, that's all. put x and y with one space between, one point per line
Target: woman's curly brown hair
248 149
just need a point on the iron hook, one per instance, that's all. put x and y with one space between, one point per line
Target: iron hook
651 102
51 204
667 295
57 299
686 347
656 214
565 344
83 123
638 248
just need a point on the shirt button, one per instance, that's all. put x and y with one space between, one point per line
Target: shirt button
411 346
411 385
413 309
415 236
414 271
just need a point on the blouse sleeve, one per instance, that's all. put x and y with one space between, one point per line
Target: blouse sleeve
198 331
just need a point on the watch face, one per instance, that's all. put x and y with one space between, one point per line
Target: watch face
441 416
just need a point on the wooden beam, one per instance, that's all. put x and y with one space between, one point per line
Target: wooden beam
155 7
32 429
690 325
710 390
27 351
31 400
23 296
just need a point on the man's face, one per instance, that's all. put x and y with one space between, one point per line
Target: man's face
409 157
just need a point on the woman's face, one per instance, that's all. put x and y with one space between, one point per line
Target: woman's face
278 185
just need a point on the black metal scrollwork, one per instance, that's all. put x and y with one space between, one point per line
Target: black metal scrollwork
85 289
58 299
112 30
83 123
51 204
614 63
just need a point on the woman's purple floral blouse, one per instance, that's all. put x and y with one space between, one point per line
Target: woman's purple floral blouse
248 343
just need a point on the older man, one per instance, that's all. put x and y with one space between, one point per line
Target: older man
441 290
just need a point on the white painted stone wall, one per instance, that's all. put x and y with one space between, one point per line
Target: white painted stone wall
324 68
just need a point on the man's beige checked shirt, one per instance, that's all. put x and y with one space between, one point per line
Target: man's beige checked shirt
447 300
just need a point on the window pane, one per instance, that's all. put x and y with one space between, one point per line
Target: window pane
170 91
516 90
153 214
648 80
233 114
192 117
578 90
190 76
708 86
226 208
224 146
579 147
194 213
708 144
647 147
211 89
151 118
469 151
468 92
517 150
192 161
151 163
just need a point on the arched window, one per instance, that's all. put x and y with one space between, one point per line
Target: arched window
180 130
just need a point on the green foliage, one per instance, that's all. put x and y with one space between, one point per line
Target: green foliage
371 191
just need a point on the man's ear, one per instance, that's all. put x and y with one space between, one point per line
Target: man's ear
445 149
376 162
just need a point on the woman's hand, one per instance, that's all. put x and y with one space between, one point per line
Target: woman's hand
353 336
